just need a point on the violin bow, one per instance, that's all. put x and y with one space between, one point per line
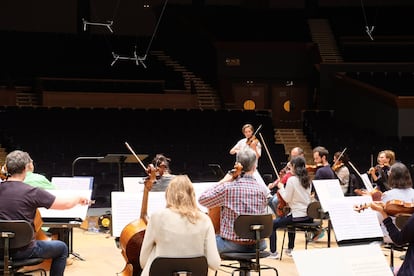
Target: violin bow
268 154
136 156
339 157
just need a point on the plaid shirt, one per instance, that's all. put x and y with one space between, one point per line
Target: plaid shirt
239 197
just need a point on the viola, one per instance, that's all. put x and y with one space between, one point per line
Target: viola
391 207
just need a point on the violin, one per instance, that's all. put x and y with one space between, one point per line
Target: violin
337 166
375 193
314 168
391 207
252 140
3 173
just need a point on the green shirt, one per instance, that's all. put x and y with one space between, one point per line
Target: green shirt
38 180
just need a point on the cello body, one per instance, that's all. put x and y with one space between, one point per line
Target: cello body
130 240
132 234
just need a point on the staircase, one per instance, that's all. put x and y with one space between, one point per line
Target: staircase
295 137
206 95
322 35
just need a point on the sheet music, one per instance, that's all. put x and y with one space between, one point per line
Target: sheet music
134 184
79 211
358 260
126 206
367 182
349 224
327 190
73 183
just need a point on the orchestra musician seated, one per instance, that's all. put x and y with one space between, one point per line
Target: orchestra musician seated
237 194
180 229
19 201
400 182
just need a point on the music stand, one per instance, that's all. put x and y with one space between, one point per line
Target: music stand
121 159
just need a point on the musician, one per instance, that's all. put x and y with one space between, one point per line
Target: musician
20 201
35 179
320 157
341 170
379 173
250 141
400 183
237 195
297 194
284 175
180 229
163 173
400 236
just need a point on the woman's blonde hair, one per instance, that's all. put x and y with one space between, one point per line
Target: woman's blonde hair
180 197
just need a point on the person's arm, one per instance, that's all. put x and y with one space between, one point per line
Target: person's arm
148 243
67 202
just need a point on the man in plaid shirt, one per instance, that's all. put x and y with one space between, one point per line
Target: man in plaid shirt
237 195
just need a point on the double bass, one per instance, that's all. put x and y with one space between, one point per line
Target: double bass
132 234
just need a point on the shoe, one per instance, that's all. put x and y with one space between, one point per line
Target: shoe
288 252
273 255
318 234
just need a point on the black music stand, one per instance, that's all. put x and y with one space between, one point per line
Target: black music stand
121 159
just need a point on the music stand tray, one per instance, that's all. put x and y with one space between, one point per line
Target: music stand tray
121 159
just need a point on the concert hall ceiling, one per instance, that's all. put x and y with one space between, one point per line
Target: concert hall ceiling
131 17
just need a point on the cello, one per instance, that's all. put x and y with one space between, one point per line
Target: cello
132 234
214 213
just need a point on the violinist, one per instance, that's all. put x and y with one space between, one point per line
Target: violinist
400 182
19 200
161 164
341 170
399 236
320 156
249 141
240 195
285 173
379 173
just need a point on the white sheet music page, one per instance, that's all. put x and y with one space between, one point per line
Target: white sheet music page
367 182
327 190
73 183
126 207
79 211
349 224
357 260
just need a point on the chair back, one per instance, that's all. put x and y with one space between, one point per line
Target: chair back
245 226
401 220
174 266
23 232
314 210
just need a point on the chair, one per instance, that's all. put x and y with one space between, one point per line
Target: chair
314 211
16 234
252 227
177 266
400 221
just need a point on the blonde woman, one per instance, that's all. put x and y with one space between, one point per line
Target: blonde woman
179 230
